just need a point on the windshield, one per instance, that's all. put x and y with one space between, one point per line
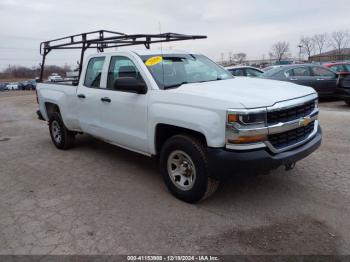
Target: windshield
175 70
347 67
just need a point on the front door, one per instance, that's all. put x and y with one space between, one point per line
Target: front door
123 114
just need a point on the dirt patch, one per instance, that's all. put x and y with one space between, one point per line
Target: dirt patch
302 236
16 93
298 237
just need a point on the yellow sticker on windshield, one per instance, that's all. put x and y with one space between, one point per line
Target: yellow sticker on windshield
154 60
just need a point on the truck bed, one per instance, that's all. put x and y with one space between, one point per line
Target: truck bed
64 96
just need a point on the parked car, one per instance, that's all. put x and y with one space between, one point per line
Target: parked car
343 88
29 85
244 71
13 86
55 78
3 87
20 86
202 123
322 79
339 67
268 68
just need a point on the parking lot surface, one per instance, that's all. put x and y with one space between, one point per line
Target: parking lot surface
99 199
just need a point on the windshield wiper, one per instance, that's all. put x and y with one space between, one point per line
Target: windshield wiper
175 85
217 79
182 83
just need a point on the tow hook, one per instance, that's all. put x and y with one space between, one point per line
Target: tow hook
289 166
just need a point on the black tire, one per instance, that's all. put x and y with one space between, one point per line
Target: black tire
347 102
203 185
67 137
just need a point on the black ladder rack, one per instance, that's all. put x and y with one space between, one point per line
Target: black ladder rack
103 39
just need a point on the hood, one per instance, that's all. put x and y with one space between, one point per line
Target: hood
249 92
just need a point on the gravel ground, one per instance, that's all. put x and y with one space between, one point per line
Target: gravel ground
100 199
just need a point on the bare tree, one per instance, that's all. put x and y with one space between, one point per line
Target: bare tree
230 57
308 45
222 58
320 41
25 72
340 40
279 51
240 57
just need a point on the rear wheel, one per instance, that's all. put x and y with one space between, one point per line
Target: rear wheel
184 168
60 135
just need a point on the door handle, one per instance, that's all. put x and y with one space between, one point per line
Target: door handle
293 79
320 79
106 99
81 96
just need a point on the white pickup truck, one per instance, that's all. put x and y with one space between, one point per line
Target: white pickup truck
202 123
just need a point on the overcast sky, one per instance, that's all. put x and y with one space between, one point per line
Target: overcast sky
249 26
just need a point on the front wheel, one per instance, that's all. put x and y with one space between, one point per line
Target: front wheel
60 135
184 167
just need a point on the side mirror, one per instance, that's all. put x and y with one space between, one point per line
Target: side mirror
130 84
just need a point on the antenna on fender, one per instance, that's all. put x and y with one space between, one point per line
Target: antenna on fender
161 52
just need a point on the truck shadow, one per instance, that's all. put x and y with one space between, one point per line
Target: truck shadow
109 152
230 189
240 190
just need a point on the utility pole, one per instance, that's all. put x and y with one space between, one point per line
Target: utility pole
300 47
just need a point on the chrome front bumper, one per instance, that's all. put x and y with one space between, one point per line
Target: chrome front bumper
247 130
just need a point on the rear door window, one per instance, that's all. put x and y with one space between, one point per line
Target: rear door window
322 72
301 71
94 72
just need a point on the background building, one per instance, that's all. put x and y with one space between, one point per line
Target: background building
333 55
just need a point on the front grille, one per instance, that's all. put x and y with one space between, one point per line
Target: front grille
290 114
291 137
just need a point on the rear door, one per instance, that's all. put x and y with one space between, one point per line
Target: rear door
325 80
123 114
300 76
88 97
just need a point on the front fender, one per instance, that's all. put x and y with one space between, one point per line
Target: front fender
210 123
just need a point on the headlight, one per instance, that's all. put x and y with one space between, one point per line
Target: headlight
253 119
247 119
246 127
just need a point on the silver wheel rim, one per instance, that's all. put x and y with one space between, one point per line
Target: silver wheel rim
181 170
56 132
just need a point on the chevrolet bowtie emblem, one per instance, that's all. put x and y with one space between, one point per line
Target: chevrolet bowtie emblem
305 121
